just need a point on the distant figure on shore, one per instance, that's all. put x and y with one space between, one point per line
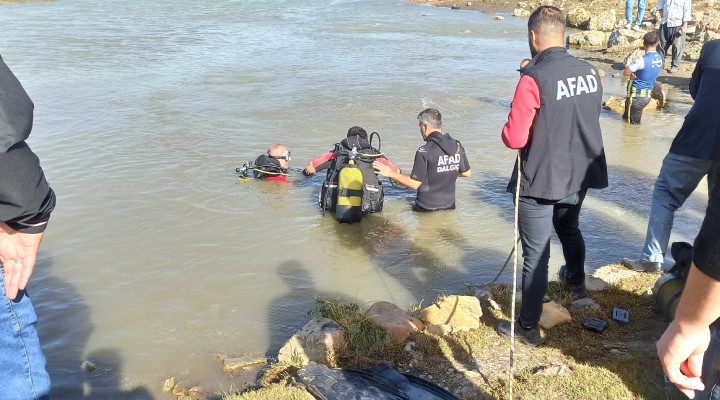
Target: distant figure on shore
554 122
438 164
690 158
338 158
643 72
629 4
272 166
26 201
675 15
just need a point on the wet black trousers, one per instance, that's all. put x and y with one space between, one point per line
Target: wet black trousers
537 218
634 107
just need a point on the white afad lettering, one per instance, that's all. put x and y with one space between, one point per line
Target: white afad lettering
575 86
448 163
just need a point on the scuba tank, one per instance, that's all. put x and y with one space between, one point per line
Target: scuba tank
348 207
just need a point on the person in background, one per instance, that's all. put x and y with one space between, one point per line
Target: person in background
675 15
438 164
554 122
26 201
629 4
689 160
643 71
272 166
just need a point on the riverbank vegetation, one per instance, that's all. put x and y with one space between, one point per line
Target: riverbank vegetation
574 363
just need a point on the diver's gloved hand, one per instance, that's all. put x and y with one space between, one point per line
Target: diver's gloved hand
305 172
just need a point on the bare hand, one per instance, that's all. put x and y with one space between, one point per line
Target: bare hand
18 253
681 355
382 169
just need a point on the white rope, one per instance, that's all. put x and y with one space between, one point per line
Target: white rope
514 286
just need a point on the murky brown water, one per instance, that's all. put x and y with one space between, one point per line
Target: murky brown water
156 257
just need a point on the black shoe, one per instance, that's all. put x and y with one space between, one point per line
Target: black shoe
577 290
530 337
642 265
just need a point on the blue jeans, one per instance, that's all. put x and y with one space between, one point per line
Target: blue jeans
537 218
629 4
678 178
22 363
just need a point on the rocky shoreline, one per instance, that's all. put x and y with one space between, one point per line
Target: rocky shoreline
453 343
601 37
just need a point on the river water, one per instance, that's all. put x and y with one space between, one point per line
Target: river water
156 256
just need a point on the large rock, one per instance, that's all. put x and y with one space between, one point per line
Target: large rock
319 341
554 314
710 35
709 22
633 55
394 321
452 314
587 39
602 21
617 104
519 12
625 38
578 17
231 365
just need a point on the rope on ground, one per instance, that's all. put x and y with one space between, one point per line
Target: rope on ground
514 287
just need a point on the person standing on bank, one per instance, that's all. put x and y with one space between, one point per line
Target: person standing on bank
643 71
690 158
554 122
438 164
26 201
675 15
629 4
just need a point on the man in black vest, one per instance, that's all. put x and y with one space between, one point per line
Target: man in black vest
438 164
554 123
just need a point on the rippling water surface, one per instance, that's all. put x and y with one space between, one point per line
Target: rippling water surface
156 257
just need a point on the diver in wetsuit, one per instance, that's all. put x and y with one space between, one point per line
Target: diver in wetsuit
272 166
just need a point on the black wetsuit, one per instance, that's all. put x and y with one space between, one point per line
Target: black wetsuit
437 164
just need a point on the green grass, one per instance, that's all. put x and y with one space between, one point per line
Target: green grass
619 363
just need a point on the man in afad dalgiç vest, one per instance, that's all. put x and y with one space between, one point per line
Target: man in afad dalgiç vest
438 164
643 71
554 123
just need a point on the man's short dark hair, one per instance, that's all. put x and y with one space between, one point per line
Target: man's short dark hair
547 20
357 131
651 38
431 117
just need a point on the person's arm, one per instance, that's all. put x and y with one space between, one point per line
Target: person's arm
385 170
661 8
385 161
516 132
694 84
464 171
634 66
318 164
687 16
681 348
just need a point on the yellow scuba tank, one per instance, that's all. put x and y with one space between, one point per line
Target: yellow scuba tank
350 192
